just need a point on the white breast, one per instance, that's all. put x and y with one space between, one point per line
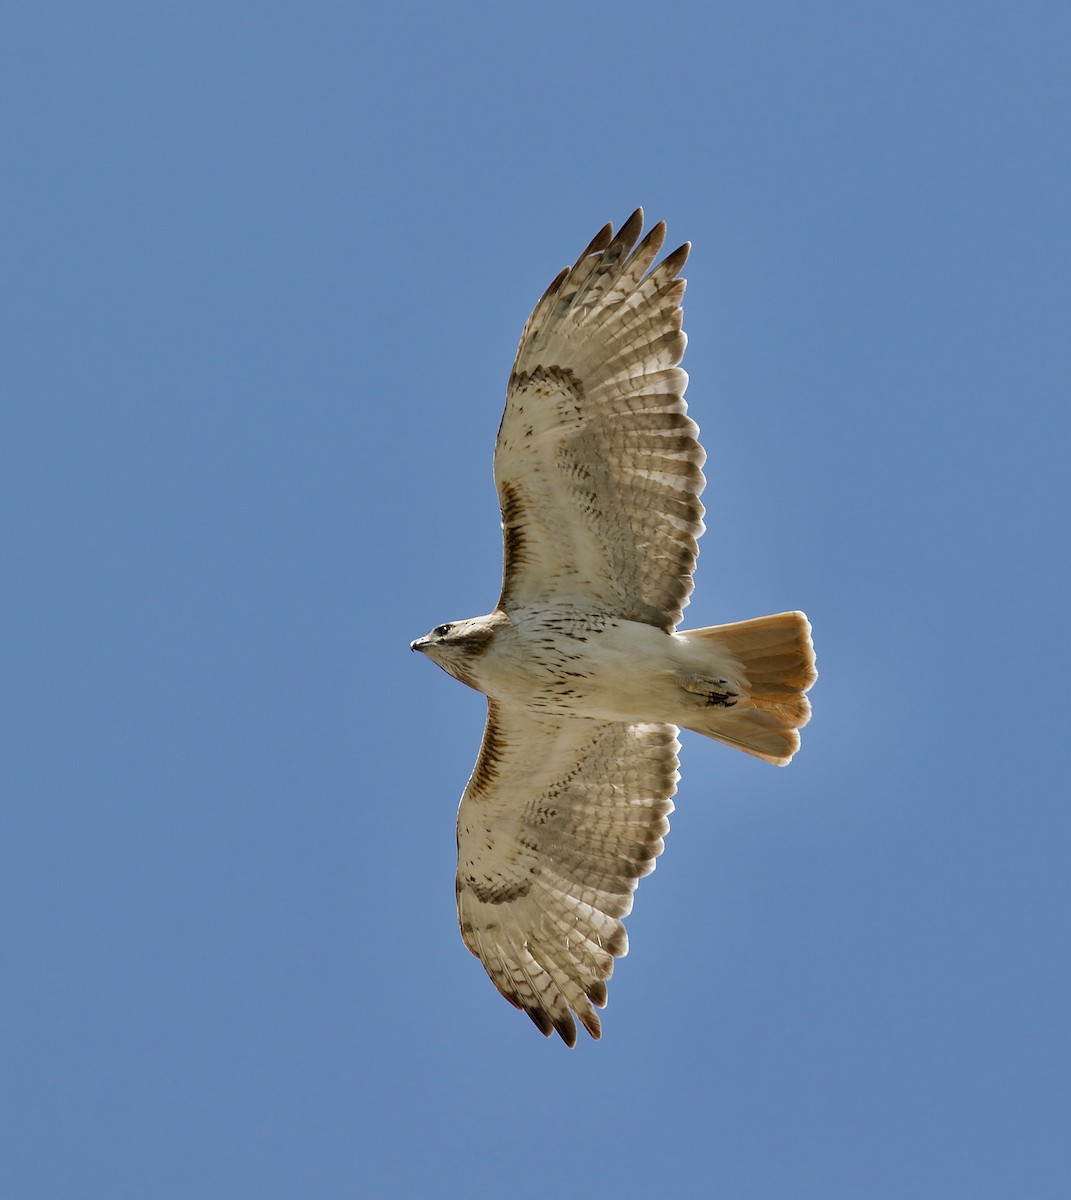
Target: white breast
551 660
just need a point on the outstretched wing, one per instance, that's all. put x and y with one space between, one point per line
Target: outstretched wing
597 464
559 821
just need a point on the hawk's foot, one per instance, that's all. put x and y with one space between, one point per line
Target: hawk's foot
716 693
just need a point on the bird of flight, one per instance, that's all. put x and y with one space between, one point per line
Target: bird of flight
599 472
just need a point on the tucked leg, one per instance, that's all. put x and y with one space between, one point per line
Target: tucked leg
715 692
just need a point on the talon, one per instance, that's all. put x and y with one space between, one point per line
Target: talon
715 692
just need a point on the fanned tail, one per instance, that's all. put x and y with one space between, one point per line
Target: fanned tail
775 661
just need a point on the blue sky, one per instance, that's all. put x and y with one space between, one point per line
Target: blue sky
264 269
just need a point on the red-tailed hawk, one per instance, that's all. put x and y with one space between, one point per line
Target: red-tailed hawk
599 474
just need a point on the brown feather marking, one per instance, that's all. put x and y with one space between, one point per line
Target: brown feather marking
514 537
560 377
485 772
497 891
475 644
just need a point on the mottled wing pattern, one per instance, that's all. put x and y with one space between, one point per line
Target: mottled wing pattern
559 821
597 463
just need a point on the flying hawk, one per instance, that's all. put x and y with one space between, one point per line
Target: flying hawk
599 474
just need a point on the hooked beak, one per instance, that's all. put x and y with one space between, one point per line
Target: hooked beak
419 644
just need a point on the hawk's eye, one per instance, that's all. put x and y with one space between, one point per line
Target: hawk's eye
441 630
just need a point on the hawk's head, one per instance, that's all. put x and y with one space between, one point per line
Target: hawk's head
455 645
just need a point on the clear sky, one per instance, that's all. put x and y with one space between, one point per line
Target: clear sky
264 268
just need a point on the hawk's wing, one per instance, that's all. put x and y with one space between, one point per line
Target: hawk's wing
597 464
559 821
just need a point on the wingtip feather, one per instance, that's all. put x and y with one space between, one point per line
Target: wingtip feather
599 242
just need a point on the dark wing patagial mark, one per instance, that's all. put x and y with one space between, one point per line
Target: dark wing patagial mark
514 537
485 774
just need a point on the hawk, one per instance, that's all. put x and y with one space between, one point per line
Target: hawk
599 473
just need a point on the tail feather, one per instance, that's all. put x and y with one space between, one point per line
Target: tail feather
772 659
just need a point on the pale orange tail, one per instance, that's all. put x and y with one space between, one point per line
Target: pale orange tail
776 661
